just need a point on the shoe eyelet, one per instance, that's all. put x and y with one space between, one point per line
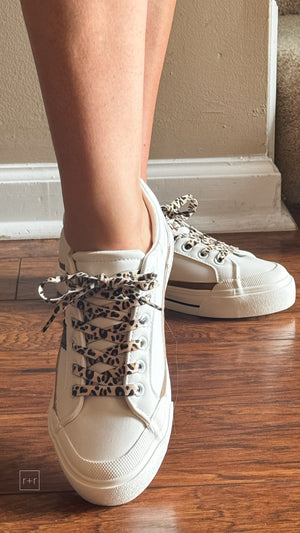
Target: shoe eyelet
186 247
219 260
140 389
144 343
141 366
144 320
204 253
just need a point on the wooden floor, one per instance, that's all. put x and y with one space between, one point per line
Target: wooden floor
233 463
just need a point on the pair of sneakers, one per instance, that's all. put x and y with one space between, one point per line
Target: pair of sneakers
110 416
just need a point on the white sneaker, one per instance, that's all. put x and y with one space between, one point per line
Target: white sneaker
212 279
110 417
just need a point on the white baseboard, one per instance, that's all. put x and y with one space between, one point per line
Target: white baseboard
234 194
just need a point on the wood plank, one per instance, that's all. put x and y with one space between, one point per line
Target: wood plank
9 272
29 362
27 392
21 324
269 508
210 371
204 331
30 449
29 248
33 271
209 445
213 452
233 460
214 379
270 245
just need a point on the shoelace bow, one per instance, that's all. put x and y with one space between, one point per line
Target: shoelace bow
119 295
177 218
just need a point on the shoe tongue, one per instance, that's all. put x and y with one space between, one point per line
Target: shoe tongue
109 263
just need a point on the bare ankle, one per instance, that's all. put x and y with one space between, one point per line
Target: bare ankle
94 232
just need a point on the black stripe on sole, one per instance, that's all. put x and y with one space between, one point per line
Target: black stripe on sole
182 303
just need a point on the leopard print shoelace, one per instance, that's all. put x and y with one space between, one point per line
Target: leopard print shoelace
116 298
177 218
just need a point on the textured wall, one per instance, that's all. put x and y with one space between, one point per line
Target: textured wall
24 135
213 93
214 88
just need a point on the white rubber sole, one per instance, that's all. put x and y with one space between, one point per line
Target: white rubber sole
232 303
118 491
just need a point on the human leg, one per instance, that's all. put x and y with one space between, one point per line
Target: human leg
90 61
159 21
